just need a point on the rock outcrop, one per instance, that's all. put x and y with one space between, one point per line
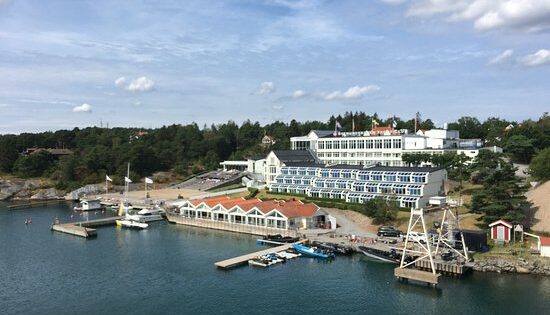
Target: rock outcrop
17 189
539 266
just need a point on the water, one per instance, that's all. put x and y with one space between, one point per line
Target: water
169 269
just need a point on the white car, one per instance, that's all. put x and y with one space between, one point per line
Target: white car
416 237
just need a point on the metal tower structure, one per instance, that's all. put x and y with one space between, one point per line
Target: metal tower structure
445 237
425 251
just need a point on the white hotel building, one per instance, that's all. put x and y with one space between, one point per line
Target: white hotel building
382 145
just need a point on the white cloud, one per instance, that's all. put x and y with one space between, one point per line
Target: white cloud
298 94
266 88
141 84
539 58
354 92
120 82
527 15
505 55
84 108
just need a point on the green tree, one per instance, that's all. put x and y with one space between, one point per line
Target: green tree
33 165
8 154
380 210
540 165
520 147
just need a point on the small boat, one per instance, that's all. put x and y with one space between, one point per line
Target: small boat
147 215
335 248
132 224
281 239
88 205
313 251
266 260
386 256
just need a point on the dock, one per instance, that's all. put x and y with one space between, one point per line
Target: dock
84 229
233 262
35 204
453 269
417 275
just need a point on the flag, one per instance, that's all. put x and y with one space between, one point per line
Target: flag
148 180
108 178
338 126
394 124
127 180
374 122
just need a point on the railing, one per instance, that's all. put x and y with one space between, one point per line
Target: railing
232 227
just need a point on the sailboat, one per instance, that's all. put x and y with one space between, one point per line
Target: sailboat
127 222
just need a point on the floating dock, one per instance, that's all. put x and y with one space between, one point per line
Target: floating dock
233 262
84 229
35 204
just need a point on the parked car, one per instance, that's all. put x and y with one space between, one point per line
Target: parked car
388 231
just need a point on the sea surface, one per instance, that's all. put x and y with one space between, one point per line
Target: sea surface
169 269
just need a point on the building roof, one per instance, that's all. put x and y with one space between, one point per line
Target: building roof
544 241
294 155
361 167
501 222
290 208
323 133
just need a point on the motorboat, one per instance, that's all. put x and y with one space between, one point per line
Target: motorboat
313 251
146 215
266 260
131 224
281 239
88 205
335 248
391 256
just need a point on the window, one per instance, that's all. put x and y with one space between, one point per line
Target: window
329 145
321 145
344 144
273 169
387 143
336 145
378 144
353 144
369 144
397 143
360 144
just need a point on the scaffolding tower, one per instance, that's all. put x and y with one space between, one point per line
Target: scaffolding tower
445 235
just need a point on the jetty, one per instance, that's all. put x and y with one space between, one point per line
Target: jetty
452 269
84 229
35 204
237 261
416 274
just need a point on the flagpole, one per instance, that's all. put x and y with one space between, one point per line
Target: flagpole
145 188
106 188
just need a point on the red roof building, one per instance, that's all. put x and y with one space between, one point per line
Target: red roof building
501 231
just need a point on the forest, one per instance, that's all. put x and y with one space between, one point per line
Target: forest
189 149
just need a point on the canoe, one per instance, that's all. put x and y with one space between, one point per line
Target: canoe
313 252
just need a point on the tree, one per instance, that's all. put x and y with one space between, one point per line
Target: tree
381 210
33 165
502 196
520 147
8 154
468 127
540 165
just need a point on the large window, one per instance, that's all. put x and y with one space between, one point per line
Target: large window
387 143
321 145
378 144
336 145
397 143
344 144
360 144
369 144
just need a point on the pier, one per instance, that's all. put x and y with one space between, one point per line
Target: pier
35 204
446 268
233 262
417 275
84 229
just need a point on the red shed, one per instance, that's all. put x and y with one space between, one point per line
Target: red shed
501 231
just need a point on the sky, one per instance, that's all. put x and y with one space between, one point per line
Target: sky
66 64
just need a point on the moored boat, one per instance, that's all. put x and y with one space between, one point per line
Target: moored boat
132 224
391 256
281 239
147 215
313 251
335 248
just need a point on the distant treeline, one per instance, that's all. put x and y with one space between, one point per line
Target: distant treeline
188 149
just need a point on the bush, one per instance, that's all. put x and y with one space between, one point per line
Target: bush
252 192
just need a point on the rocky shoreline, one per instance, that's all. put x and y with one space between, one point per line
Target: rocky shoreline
29 189
536 266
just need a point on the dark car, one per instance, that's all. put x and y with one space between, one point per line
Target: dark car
388 231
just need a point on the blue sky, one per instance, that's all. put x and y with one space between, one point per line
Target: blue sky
149 63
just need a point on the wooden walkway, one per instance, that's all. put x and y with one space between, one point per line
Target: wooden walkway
84 228
417 275
233 262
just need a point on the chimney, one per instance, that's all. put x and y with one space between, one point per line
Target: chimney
445 126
